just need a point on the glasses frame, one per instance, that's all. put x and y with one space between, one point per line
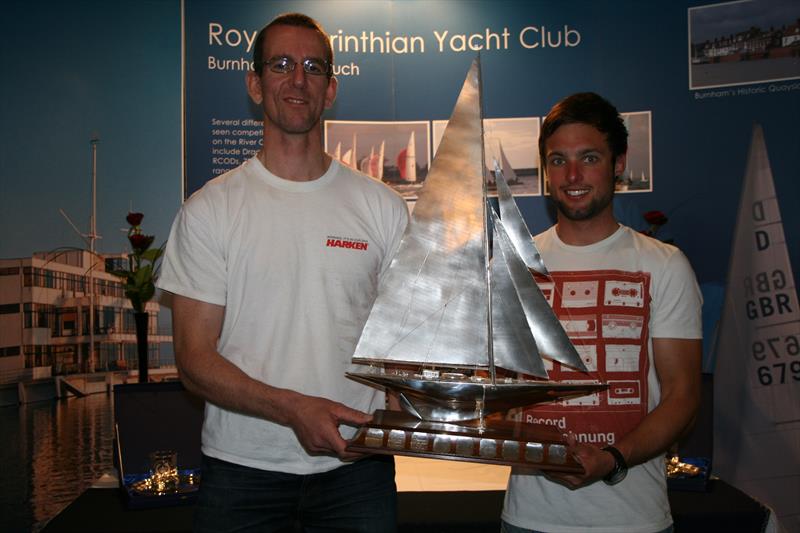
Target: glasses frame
292 64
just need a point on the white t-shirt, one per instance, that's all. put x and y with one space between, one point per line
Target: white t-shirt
613 297
296 265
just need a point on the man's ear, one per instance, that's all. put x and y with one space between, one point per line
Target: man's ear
330 92
253 82
620 163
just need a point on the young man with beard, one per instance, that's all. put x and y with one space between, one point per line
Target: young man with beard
643 301
274 267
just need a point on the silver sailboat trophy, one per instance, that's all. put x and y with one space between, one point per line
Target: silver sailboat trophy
453 308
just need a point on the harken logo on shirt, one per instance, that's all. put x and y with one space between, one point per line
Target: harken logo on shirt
345 242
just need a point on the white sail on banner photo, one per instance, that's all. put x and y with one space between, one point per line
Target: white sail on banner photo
757 375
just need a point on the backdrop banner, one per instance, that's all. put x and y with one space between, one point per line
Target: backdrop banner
690 77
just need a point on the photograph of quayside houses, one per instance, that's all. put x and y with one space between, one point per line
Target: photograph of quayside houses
66 327
735 43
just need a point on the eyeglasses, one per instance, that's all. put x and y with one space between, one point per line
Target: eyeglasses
311 65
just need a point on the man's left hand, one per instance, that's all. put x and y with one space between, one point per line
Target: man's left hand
596 465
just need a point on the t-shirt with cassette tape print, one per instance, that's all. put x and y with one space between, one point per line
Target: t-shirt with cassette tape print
612 297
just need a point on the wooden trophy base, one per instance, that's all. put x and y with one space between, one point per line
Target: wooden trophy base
498 442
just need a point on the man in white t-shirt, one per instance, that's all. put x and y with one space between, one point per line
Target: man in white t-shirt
633 309
273 268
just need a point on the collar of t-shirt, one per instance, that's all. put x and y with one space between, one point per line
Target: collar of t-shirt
265 175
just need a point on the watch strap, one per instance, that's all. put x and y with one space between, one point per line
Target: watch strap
620 469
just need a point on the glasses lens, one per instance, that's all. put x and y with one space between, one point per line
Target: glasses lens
317 67
280 65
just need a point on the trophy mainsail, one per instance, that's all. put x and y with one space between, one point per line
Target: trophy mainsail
432 302
444 301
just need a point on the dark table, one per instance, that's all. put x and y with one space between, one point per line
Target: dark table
722 508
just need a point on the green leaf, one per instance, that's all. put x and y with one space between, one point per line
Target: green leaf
147 292
143 275
152 254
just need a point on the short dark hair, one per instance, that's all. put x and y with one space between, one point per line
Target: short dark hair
586 108
291 19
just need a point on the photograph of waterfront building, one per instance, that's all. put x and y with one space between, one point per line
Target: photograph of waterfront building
737 43
46 312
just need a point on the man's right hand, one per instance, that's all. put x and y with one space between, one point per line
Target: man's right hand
316 422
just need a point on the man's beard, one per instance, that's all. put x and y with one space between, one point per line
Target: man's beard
596 206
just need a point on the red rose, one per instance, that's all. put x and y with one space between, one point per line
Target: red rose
134 219
140 242
656 218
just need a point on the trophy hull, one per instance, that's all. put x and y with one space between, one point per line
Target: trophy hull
461 399
492 441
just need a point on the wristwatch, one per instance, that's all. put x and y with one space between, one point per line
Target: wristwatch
620 469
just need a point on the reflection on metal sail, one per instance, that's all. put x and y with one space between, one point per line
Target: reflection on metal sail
551 339
514 345
515 225
432 303
444 303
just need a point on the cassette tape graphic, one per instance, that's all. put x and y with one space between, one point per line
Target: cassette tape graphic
624 393
588 353
580 326
579 294
624 293
622 326
622 357
587 400
547 288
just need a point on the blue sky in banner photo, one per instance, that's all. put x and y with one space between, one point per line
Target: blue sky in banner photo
72 70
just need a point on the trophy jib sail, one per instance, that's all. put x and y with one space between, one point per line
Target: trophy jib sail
455 307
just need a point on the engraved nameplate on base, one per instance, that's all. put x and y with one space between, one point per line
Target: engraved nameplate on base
497 442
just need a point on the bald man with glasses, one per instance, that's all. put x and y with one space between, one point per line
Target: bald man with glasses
268 305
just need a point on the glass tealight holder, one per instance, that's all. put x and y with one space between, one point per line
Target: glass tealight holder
164 471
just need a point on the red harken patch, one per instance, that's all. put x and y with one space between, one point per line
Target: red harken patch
346 243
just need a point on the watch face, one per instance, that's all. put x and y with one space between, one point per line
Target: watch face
616 475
